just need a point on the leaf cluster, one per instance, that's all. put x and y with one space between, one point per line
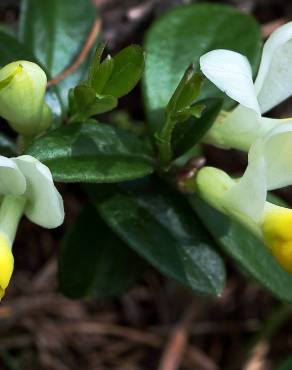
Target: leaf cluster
135 216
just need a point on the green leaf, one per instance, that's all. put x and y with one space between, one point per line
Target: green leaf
180 37
272 198
187 134
105 103
89 104
178 109
91 152
286 364
127 71
248 251
11 49
159 225
55 32
186 92
93 262
96 60
102 75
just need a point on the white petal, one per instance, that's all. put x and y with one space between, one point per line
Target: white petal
276 149
12 180
239 129
231 73
45 204
274 80
249 195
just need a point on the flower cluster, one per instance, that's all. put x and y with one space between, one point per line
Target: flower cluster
26 185
231 73
268 141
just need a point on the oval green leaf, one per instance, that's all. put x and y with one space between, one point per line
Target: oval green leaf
128 66
93 262
180 37
91 152
248 251
187 134
55 32
160 226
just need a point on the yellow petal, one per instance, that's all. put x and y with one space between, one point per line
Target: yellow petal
6 264
283 254
277 231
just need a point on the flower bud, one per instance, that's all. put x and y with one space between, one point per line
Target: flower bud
212 185
217 188
6 264
22 98
272 225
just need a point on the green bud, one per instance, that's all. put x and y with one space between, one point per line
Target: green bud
22 98
213 186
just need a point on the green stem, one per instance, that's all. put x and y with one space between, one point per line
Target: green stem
11 210
23 142
277 318
164 143
271 325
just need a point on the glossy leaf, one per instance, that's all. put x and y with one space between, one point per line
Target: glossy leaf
55 31
128 67
246 250
187 134
11 49
180 37
96 60
88 104
102 75
91 152
186 92
93 262
160 226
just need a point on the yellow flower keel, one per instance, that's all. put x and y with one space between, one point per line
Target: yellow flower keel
283 254
277 232
6 264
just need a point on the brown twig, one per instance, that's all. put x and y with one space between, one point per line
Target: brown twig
267 29
81 57
89 327
258 357
270 27
176 346
200 359
40 281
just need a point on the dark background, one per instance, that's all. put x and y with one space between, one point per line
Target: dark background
157 325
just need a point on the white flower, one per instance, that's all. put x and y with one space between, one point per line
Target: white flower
231 72
26 187
269 167
28 177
